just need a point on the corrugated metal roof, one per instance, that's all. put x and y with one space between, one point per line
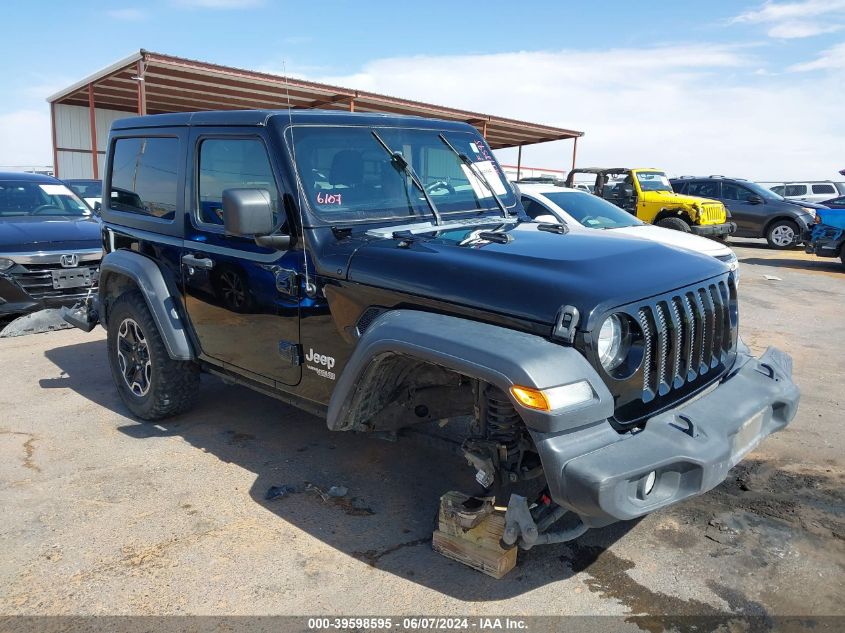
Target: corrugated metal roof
176 84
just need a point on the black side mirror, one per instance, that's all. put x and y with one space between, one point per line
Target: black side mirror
249 213
98 207
754 199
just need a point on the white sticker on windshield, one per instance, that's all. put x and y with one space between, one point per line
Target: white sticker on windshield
474 147
56 190
491 175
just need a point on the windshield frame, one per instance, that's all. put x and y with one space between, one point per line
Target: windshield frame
657 172
86 210
422 214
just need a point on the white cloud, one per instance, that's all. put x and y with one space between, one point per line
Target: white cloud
794 30
129 14
688 109
831 59
220 4
790 20
26 138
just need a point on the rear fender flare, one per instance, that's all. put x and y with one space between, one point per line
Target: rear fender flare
145 274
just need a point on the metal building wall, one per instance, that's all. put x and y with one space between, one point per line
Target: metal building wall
73 139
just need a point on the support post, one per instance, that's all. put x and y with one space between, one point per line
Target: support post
352 105
484 130
574 150
519 161
55 140
142 90
92 119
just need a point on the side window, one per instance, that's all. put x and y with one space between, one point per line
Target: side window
143 177
731 191
824 189
704 189
228 163
795 190
534 209
778 189
680 186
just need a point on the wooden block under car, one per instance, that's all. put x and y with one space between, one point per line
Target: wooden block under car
472 537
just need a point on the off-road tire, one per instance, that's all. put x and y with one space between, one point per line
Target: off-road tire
777 229
676 224
173 384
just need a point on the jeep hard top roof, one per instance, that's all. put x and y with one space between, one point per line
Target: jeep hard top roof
263 117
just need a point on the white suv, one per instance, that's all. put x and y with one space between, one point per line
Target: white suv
582 211
818 191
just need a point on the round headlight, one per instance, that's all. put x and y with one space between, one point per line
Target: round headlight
610 343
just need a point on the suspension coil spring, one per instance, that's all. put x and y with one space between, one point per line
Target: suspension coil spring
503 421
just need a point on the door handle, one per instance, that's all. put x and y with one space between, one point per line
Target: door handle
198 262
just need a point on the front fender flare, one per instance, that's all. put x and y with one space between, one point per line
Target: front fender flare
494 354
147 276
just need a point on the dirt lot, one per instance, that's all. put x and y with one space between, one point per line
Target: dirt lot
103 514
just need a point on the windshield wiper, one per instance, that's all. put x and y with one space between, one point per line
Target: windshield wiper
472 167
399 162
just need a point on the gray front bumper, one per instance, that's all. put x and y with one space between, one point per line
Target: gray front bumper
601 474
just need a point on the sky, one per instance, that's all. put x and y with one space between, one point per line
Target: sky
746 89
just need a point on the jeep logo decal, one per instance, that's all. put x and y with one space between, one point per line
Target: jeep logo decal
320 359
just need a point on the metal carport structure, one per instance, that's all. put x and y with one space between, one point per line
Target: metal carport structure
153 83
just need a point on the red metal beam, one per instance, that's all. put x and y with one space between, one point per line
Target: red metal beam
92 118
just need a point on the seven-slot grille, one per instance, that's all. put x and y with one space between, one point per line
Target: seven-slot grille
712 213
681 342
685 336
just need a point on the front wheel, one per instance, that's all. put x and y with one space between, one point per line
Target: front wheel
782 234
676 224
151 384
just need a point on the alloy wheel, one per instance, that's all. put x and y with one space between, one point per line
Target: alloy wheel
133 357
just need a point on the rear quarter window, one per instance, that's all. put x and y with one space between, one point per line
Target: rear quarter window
824 189
144 176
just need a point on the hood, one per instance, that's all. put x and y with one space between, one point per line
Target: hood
27 233
675 238
681 198
801 203
535 274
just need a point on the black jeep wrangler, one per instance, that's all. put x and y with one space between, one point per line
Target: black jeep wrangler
380 272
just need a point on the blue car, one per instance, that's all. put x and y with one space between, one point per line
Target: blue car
50 244
827 237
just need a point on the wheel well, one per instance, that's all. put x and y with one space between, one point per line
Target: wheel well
397 390
672 213
112 285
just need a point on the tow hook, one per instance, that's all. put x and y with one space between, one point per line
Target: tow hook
521 528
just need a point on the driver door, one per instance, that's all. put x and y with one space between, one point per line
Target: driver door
241 298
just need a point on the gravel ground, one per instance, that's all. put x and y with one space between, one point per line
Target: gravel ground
106 515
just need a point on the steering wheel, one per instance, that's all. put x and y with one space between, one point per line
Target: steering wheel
39 210
440 184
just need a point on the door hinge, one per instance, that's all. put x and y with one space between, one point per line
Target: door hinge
291 352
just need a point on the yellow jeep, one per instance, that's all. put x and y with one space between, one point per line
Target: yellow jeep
647 194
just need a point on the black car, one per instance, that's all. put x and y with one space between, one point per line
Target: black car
380 272
757 211
835 203
50 244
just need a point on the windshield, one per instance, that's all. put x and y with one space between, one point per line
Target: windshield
86 188
26 197
766 194
347 176
592 211
653 181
